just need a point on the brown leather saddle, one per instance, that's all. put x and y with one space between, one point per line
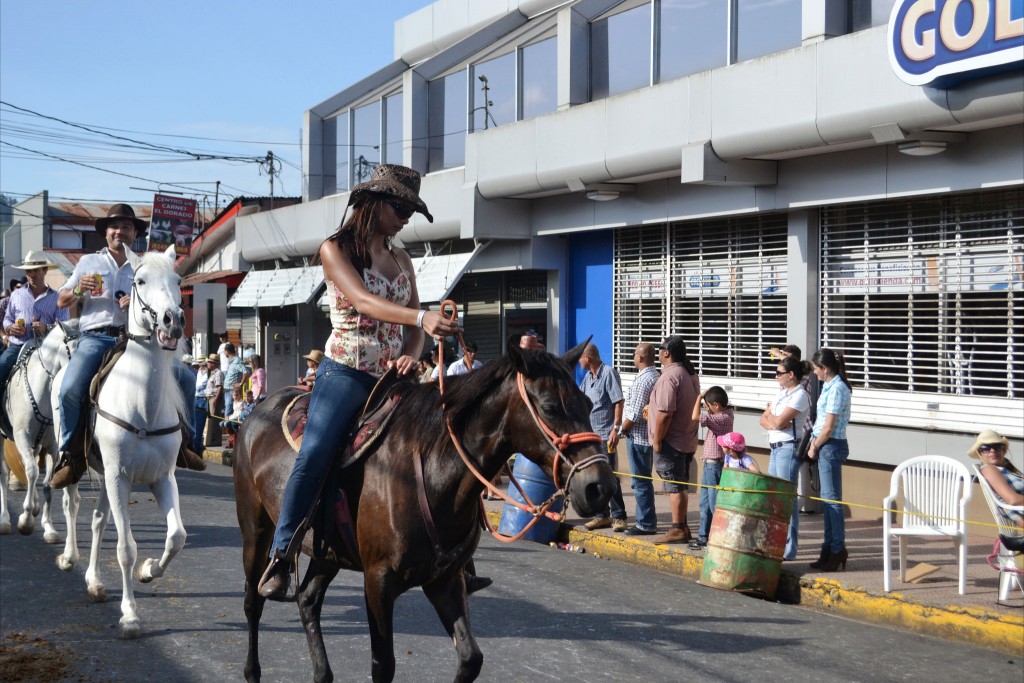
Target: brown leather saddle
369 427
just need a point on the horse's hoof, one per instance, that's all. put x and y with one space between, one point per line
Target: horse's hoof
25 527
5 528
145 573
98 594
52 537
130 630
16 485
64 564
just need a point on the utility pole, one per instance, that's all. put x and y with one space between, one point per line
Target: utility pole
270 172
216 199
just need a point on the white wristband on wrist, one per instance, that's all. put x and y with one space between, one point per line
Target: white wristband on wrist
419 318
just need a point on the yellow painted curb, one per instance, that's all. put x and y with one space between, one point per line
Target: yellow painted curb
972 626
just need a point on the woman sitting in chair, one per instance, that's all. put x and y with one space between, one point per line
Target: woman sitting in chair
1006 480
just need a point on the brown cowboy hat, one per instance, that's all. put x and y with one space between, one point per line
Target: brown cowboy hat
392 180
122 211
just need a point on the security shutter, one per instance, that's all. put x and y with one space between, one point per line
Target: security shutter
478 297
925 299
719 284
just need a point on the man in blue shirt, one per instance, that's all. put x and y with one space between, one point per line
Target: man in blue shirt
602 386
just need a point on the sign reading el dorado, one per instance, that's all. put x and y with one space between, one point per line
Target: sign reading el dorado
173 221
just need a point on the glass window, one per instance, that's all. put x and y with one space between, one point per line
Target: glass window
865 14
693 37
446 121
620 52
764 27
500 75
365 141
343 153
393 129
539 78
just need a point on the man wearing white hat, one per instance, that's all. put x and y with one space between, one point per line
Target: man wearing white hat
31 311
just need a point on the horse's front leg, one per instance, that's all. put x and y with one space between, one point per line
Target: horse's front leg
448 596
311 601
50 533
5 516
30 509
100 518
67 560
166 492
379 594
119 491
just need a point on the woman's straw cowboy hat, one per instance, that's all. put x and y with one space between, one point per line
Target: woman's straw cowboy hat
315 356
989 436
392 180
35 259
121 211
213 358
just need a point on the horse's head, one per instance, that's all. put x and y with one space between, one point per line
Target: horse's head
155 308
553 428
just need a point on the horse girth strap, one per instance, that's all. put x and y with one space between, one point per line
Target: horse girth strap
141 433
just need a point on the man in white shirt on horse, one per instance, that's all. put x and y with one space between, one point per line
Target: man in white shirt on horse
102 284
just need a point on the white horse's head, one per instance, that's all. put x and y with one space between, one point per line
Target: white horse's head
155 308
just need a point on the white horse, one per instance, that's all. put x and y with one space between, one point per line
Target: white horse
137 429
27 404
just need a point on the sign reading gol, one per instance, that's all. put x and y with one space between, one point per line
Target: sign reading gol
931 41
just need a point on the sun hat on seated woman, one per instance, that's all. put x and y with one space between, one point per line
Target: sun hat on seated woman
989 436
392 180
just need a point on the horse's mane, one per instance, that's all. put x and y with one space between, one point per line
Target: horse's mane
465 394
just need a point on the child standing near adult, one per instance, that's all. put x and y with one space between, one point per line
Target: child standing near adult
717 420
735 447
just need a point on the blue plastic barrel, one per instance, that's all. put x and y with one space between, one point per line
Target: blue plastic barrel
539 487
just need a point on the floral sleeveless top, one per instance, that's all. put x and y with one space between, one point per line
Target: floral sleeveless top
361 342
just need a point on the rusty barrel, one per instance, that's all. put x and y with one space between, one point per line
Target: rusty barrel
748 533
538 487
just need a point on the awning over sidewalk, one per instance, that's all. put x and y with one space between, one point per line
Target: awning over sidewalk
281 287
437 275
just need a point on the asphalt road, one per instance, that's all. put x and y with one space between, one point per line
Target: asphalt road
551 615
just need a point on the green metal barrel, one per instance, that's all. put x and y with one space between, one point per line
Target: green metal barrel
748 533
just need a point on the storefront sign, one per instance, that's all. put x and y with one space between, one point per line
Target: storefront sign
173 223
964 273
938 42
645 286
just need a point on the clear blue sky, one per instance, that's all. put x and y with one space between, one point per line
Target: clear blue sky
227 70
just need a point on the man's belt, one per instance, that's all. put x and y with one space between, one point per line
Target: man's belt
109 330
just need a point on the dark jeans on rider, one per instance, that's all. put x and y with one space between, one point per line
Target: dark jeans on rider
7 361
616 506
338 395
198 418
641 462
83 366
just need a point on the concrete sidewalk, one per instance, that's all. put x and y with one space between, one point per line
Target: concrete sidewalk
933 606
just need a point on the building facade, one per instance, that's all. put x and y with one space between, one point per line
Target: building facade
745 174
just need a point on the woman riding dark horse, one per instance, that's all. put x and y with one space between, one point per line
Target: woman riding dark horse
414 502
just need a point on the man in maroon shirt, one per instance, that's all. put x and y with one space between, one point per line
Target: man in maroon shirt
673 432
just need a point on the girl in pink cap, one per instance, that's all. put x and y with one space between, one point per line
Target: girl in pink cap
735 447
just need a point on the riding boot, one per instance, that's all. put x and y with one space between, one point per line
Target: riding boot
72 464
273 584
187 458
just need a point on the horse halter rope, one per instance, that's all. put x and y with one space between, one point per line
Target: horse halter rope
558 443
149 311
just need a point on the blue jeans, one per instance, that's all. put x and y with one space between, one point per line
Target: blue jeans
710 475
229 401
616 505
641 462
84 363
784 465
199 418
338 395
831 457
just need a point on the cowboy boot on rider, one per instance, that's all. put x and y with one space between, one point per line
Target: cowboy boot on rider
98 285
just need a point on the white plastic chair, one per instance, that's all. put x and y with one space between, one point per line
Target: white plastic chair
1004 560
936 490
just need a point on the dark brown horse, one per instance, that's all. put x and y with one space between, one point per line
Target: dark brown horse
491 419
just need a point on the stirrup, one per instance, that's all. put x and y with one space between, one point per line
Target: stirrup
68 471
273 584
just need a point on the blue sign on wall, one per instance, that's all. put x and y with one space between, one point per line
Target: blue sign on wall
938 42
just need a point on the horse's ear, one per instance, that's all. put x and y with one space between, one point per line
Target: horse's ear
172 254
132 257
518 362
572 356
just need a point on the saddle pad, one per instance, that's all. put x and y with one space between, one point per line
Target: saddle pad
371 427
110 358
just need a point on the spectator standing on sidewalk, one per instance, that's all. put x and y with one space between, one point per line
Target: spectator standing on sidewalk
214 390
638 447
200 409
602 386
808 484
673 431
234 376
718 420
